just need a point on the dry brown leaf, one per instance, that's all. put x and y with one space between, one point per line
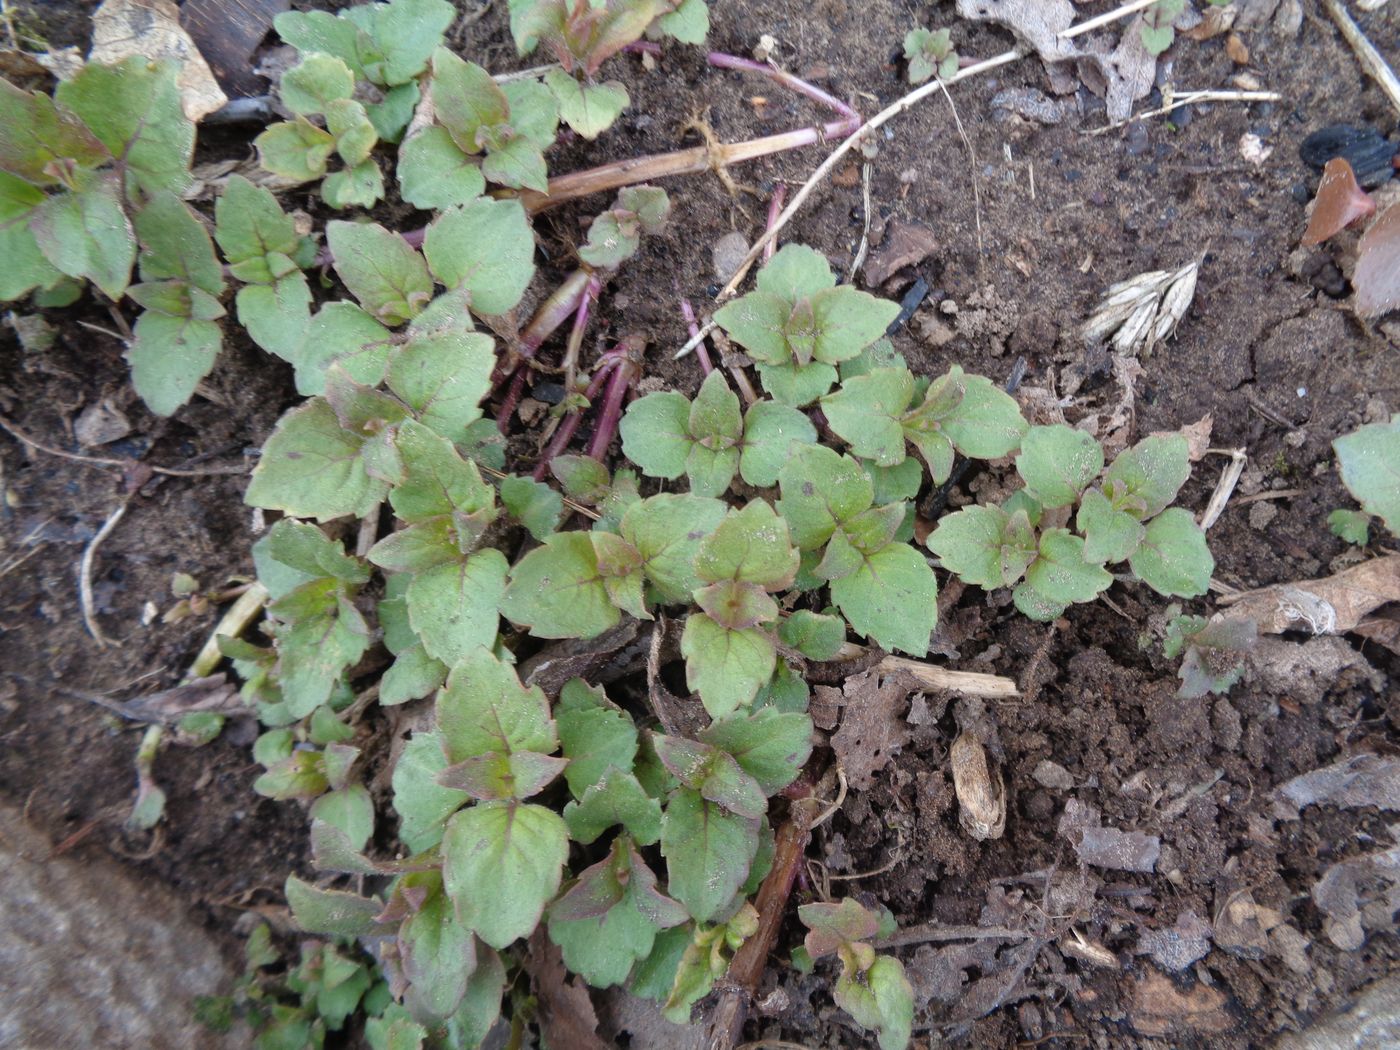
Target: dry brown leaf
1377 275
151 29
873 728
567 1018
1160 1008
1197 436
1383 629
905 244
1121 77
1340 201
1333 605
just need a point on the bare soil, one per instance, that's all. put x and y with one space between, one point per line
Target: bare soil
1282 367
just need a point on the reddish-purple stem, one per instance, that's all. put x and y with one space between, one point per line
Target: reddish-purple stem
775 208
693 326
590 296
570 423
620 382
553 312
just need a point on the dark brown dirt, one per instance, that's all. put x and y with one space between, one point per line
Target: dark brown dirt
1282 368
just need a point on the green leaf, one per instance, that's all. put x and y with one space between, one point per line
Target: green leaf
751 546
821 489
534 504
453 606
688 23
833 926
1352 526
466 101
502 861
1144 479
881 998
382 271
770 432
331 912
708 852
438 955
595 735
984 546
169 357
613 238
484 708
667 530
616 797
866 413
296 150
557 591
86 234
1110 535
1369 461
518 163
1173 558
435 174
351 810
134 108
609 920
485 247
340 334
589 109
656 434
443 376
25 267
322 31
423 805
355 138
986 423
437 481
300 775
1059 577
726 667
892 598
1156 39
847 321
36 137
757 322
711 772
311 468
584 479
252 229
313 83
406 32
814 635
795 272
175 245
360 186
1057 463
769 746
392 115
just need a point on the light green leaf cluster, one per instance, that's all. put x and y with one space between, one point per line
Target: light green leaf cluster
615 235
1123 514
798 325
872 988
709 440
929 53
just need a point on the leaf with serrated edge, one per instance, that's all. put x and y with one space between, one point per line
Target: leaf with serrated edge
88 235
486 247
594 734
750 545
667 530
331 911
1057 463
1173 558
769 746
434 173
453 606
533 503
656 434
726 667
443 376
770 432
865 413
484 708
820 490
381 269
502 862
423 805
557 591
892 598
311 467
708 852
615 798
590 109
1369 462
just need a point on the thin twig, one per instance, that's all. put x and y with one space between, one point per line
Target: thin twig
898 855
1188 98
85 576
849 143
972 172
859 260
1106 19
693 327
932 933
1224 488
108 461
970 683
231 625
775 208
833 807
1371 60
696 339
573 505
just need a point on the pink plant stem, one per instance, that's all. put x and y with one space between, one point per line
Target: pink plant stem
553 312
570 424
775 208
620 382
720 60
571 349
693 326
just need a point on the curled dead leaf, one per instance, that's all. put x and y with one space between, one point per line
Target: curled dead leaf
1340 202
981 798
1333 605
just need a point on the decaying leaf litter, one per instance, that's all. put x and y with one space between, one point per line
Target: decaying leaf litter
1092 688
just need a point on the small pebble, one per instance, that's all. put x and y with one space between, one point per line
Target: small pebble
728 254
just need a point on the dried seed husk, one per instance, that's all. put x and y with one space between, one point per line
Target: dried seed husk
981 796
